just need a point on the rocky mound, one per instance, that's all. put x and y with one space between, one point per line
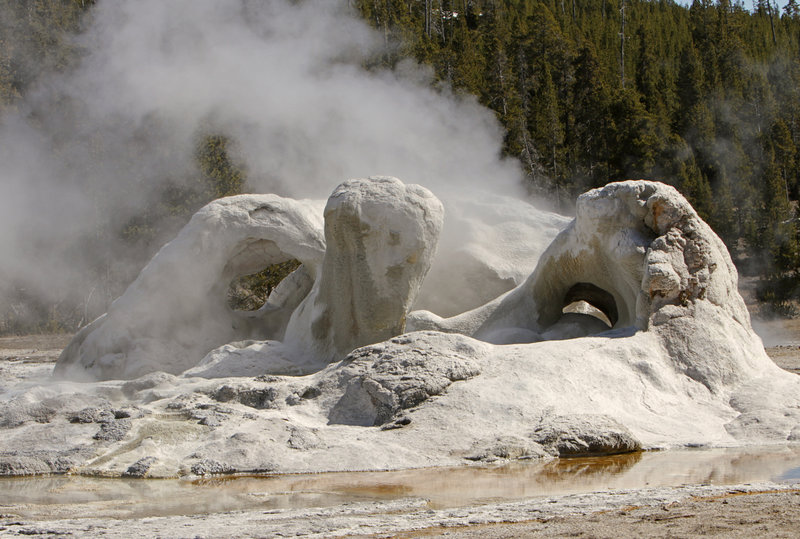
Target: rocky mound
628 334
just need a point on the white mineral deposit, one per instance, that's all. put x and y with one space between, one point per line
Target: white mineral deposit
627 332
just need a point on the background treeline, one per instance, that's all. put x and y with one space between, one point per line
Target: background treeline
706 98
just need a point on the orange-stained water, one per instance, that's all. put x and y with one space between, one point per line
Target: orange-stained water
66 496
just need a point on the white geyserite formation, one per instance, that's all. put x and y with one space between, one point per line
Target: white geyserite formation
337 372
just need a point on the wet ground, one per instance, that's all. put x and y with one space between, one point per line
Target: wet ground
679 493
440 488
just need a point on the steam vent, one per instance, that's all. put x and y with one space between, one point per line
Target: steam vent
628 334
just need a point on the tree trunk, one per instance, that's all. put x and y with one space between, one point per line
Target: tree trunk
622 45
428 18
771 21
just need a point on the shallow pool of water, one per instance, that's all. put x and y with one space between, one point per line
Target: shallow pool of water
74 496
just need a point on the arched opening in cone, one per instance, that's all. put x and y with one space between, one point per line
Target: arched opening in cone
254 269
590 300
250 292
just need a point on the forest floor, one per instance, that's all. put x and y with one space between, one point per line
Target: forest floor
748 510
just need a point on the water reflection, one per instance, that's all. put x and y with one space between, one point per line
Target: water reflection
790 476
60 496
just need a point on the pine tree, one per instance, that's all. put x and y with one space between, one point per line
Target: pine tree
723 218
648 76
689 88
470 63
590 139
696 187
635 143
221 176
791 10
546 121
785 155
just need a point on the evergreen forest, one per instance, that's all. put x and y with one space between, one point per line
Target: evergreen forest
704 97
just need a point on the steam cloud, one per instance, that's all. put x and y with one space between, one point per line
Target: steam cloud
85 150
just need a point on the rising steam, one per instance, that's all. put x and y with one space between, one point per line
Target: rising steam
86 149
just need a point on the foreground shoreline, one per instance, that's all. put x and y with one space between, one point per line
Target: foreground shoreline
751 510
764 509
